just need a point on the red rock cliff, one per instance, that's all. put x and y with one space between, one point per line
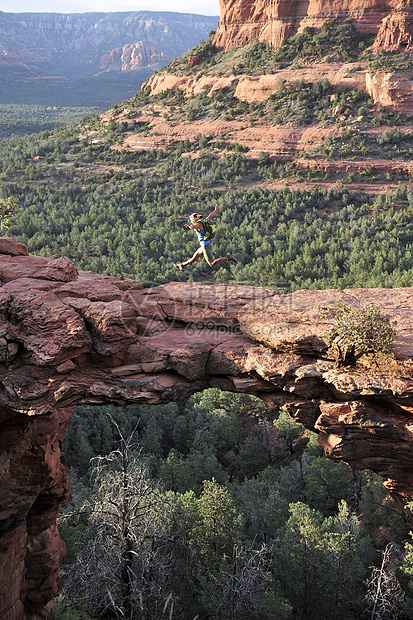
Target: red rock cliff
242 21
69 337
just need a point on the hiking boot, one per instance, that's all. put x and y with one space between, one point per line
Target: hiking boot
179 266
231 258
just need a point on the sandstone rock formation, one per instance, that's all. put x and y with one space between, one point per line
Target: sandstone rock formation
391 89
259 88
69 337
241 22
193 60
132 56
396 32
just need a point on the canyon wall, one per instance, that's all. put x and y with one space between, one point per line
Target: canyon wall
69 338
241 21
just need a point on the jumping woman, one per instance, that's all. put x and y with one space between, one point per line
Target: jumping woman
205 233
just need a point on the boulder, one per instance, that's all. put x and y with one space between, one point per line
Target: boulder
12 247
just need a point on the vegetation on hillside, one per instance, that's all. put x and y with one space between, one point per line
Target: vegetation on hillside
359 145
19 119
335 42
298 103
123 212
389 61
223 512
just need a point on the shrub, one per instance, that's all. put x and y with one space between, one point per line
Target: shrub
8 208
358 331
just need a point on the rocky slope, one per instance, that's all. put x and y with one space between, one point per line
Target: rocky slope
70 337
306 146
388 88
241 22
254 75
74 45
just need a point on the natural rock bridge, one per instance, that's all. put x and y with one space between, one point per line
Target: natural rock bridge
69 337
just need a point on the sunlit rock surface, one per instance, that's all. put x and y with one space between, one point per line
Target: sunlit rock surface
242 21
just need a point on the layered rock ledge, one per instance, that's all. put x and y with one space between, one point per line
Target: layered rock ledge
392 89
69 337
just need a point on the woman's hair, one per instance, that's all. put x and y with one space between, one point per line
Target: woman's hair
194 217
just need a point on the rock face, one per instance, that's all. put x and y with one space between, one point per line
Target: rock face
391 89
132 56
258 88
395 32
245 20
69 337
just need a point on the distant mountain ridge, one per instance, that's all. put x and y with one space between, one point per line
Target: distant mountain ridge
78 44
89 59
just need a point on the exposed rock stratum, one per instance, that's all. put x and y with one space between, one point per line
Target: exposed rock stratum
242 21
245 20
69 337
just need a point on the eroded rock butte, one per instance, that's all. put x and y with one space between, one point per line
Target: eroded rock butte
69 337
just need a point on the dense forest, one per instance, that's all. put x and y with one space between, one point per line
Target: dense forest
123 212
211 508
93 91
19 119
219 507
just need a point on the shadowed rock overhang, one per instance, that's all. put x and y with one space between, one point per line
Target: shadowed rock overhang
70 338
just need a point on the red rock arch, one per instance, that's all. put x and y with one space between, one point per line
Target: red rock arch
70 337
